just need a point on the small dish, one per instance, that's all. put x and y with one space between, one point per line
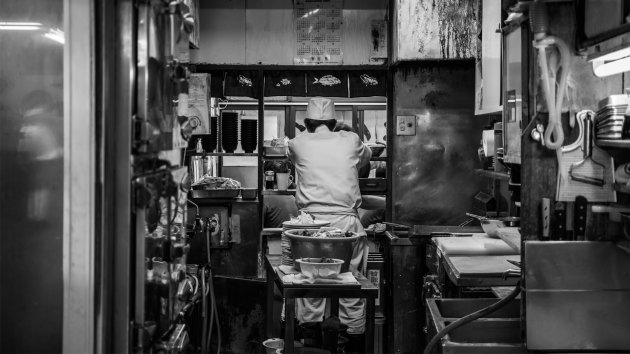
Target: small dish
323 267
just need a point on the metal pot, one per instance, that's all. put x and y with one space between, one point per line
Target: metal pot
315 247
491 226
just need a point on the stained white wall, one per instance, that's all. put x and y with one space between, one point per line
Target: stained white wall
262 31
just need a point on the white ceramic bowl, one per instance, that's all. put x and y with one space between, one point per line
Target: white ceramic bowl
315 268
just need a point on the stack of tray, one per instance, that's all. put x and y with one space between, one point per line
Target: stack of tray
610 118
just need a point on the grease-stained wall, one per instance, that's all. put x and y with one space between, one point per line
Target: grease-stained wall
433 181
431 29
262 32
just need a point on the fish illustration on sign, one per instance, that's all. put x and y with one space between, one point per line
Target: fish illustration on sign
327 80
368 80
284 82
244 81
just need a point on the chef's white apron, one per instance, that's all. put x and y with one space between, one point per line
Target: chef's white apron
327 167
351 311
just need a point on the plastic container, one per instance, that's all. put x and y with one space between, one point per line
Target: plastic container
273 344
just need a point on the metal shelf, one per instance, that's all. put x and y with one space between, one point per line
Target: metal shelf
278 192
222 200
193 153
492 174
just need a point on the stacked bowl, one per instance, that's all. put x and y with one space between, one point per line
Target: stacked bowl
229 131
249 130
610 119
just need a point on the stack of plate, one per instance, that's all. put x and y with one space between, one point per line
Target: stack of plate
610 117
287 256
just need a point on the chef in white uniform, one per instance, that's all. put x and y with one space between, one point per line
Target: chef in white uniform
327 165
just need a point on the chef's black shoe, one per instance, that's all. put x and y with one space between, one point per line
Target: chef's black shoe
356 343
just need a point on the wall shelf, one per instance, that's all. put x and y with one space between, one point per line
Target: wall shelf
492 174
193 153
622 144
205 201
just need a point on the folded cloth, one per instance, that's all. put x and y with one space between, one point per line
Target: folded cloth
299 278
288 269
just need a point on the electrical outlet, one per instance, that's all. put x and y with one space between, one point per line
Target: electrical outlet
405 125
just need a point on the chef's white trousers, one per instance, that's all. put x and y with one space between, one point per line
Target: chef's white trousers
351 311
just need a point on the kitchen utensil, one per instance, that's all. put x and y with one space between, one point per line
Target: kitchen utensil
478 217
320 267
567 188
560 232
491 226
303 245
588 170
545 209
579 218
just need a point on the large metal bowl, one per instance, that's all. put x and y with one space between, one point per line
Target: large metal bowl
491 226
303 245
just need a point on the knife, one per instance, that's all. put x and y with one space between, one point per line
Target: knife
545 208
579 218
560 215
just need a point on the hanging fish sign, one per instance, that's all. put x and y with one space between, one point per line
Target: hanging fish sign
327 80
368 80
244 81
283 82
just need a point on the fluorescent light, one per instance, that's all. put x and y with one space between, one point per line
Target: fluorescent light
20 26
602 68
56 35
612 62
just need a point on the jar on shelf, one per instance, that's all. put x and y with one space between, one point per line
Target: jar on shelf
270 177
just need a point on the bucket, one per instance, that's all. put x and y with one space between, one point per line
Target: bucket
273 344
311 333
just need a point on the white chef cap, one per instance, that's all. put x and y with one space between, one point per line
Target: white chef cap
320 108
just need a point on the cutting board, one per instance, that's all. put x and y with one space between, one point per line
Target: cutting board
512 237
477 244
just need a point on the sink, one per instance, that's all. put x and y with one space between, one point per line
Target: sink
500 332
457 308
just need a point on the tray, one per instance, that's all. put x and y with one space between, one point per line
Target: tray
275 151
249 193
215 193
